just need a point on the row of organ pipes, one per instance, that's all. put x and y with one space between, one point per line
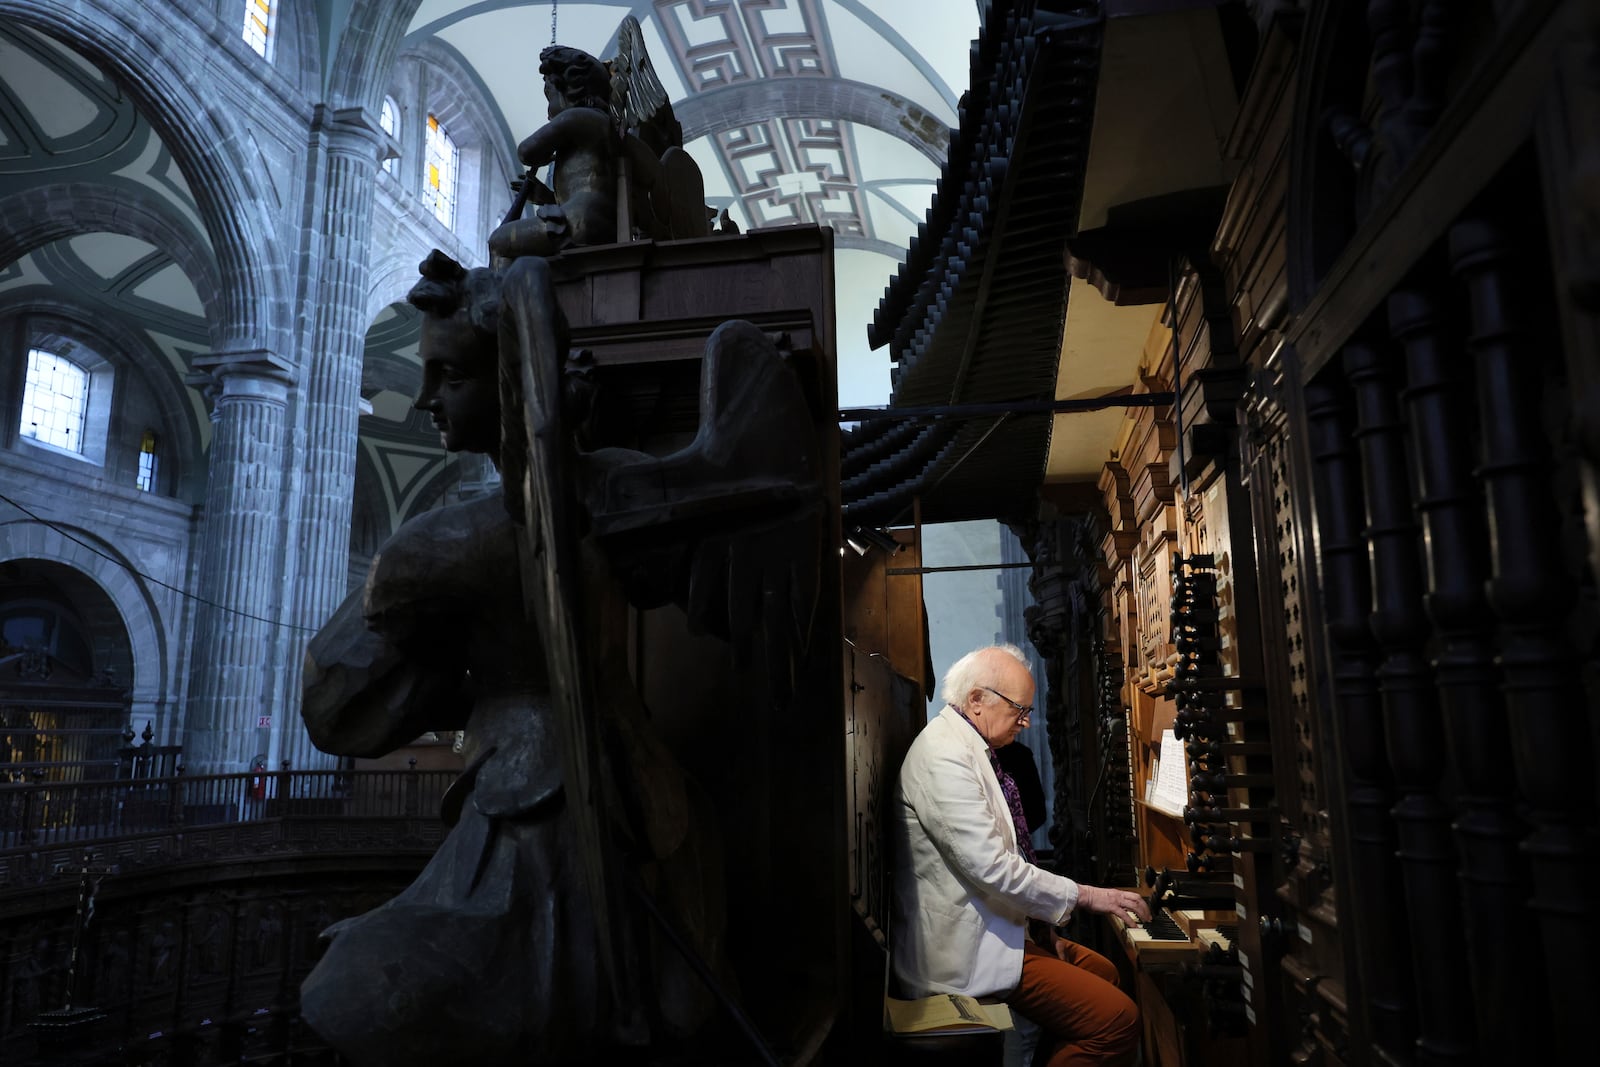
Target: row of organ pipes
1388 730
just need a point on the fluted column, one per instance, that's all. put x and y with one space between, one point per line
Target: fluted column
239 564
348 143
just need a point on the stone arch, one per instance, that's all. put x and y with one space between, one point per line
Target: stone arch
366 50
440 82
83 606
392 278
153 683
297 29
464 99
152 59
369 516
40 215
743 103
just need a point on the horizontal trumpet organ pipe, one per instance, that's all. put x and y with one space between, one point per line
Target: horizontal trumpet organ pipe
1209 749
1178 686
1201 863
1195 814
1218 843
1209 783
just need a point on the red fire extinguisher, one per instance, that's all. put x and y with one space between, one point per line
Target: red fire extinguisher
258 778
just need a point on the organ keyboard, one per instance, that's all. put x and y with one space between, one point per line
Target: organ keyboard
1161 940
1183 936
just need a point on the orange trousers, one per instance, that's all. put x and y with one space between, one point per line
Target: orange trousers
1084 1017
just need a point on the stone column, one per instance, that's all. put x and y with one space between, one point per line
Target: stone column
239 563
349 145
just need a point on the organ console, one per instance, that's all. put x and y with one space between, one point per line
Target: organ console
1199 858
1346 580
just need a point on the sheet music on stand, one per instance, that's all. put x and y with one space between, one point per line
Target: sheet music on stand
1171 793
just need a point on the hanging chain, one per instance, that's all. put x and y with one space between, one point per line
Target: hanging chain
553 4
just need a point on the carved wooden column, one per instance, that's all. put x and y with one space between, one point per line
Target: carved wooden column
1531 593
240 573
1513 1014
348 143
1412 726
1384 966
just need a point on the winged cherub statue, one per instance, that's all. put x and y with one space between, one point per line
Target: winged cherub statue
616 155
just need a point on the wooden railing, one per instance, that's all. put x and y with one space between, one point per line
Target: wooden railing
46 827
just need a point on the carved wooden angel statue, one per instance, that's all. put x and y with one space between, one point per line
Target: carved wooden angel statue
616 152
543 929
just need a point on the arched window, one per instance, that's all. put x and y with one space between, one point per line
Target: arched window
55 400
439 182
146 479
389 119
260 17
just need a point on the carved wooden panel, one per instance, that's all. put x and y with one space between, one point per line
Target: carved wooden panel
1152 564
1307 930
192 968
883 712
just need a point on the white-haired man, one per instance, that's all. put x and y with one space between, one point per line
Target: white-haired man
966 884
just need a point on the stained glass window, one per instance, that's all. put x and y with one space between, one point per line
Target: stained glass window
258 16
389 119
147 461
54 400
439 182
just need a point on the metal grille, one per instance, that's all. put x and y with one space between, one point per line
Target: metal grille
1313 817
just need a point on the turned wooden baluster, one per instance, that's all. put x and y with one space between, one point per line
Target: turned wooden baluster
1389 22
1513 1014
1411 716
1531 593
1430 64
1383 965
1410 61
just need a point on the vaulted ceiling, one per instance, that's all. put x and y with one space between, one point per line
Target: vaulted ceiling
835 112
73 146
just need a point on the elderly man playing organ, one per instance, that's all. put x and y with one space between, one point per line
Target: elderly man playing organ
966 884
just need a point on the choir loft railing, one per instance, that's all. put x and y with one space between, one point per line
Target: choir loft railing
149 821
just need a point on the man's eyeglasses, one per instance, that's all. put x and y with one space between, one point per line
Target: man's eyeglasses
1023 710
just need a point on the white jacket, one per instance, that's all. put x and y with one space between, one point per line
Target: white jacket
962 891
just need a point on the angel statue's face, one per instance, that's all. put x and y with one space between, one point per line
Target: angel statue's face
552 95
459 384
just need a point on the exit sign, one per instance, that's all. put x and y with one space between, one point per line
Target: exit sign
264 722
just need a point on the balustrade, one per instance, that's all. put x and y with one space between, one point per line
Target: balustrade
41 818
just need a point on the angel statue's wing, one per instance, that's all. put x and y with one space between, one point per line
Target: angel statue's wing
537 469
731 526
638 100
640 110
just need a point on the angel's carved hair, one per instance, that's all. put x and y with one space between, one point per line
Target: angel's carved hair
581 79
447 288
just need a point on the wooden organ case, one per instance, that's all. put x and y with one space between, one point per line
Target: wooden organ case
1352 569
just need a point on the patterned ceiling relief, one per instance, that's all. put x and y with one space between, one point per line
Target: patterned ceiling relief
796 170
107 277
67 129
717 42
782 170
408 476
835 112
65 121
405 469
783 96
